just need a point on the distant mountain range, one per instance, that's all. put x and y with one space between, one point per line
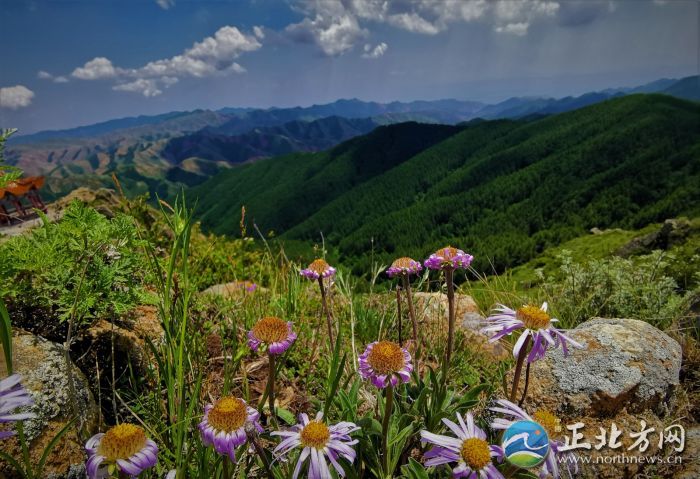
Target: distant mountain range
505 189
159 154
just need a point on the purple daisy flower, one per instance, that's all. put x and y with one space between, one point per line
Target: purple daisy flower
536 322
384 363
549 422
318 442
404 266
273 333
469 450
223 425
318 268
449 257
12 396
124 447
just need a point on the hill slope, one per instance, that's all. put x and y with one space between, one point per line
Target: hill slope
505 188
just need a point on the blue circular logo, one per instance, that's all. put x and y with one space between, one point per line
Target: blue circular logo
526 444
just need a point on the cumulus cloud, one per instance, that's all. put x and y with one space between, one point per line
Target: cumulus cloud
337 25
95 69
258 32
334 34
376 52
14 97
147 87
165 4
60 79
214 55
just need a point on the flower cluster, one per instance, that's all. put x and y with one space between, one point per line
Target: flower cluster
124 448
449 257
385 363
273 334
535 323
404 266
318 268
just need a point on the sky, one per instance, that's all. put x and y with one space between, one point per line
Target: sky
75 62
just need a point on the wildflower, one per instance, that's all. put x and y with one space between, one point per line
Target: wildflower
449 257
385 363
318 268
318 440
12 396
536 323
272 333
403 267
223 424
549 422
124 447
469 450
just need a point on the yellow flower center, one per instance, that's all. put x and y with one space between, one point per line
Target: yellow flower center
533 317
228 414
270 330
386 357
319 266
315 434
476 453
405 263
549 422
122 442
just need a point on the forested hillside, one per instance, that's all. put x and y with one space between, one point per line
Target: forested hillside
503 188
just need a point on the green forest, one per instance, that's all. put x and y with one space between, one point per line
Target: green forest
504 190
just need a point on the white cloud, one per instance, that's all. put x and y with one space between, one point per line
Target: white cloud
165 4
147 87
518 29
337 25
44 75
213 55
95 69
376 52
334 34
258 32
14 97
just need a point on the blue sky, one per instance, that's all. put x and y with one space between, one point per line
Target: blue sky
68 63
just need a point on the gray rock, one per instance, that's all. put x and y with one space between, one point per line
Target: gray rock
626 364
42 366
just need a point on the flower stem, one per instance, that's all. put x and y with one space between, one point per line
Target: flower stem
527 383
326 309
253 439
227 467
271 388
385 426
398 312
449 280
519 368
411 311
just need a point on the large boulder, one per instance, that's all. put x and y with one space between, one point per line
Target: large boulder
627 372
626 364
44 374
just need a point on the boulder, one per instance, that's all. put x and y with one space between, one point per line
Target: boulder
672 232
44 374
626 364
626 373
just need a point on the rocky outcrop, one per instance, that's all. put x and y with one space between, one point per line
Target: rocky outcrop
42 366
626 364
671 233
627 372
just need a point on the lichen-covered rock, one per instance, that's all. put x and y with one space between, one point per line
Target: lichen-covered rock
233 289
42 366
626 363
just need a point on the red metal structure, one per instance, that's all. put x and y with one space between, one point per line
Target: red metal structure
11 206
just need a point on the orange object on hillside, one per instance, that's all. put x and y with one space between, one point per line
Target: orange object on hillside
11 206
